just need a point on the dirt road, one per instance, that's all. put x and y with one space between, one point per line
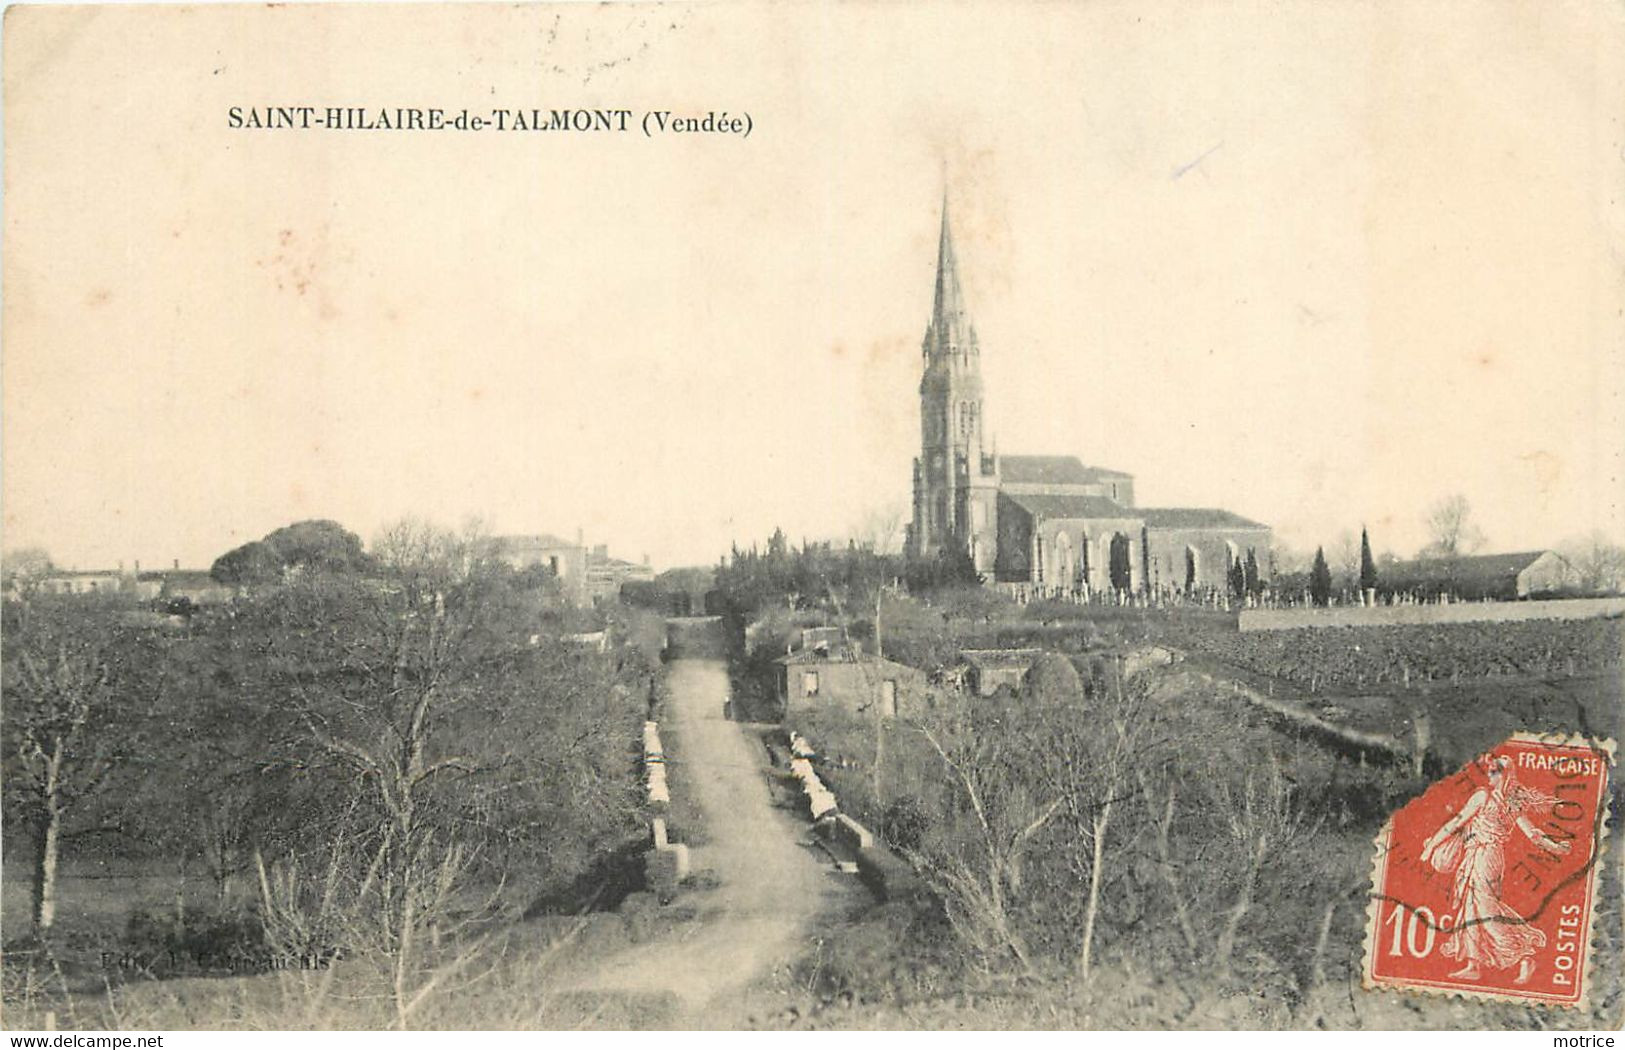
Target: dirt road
773 882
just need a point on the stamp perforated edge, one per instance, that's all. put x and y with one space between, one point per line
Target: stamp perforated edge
1379 863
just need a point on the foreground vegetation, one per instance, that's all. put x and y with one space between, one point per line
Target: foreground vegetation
360 772
1150 850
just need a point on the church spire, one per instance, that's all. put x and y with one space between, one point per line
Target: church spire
950 325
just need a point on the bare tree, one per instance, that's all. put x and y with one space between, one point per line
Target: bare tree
68 723
1265 822
881 530
312 912
1216 884
22 569
1599 562
1346 558
1162 804
980 883
1097 758
463 742
870 591
383 691
1283 560
1452 532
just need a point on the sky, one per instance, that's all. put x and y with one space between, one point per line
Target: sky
1319 263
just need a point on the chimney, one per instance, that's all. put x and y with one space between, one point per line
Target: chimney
177 565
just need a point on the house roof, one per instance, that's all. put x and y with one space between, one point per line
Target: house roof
1053 470
536 541
1046 507
182 578
834 656
986 658
1194 518
617 565
1476 568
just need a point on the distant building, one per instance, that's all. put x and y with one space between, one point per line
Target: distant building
1500 577
606 575
94 581
853 681
193 585
565 560
992 668
1045 524
586 575
588 641
826 638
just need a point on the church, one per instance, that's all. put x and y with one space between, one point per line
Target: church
1044 525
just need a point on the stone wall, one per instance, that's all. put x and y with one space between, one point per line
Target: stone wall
856 686
854 846
667 863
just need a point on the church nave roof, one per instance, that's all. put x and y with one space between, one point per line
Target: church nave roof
1053 470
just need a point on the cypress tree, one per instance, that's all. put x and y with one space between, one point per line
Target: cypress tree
1320 579
1368 565
1254 585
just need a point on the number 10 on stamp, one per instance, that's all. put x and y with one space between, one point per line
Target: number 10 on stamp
1483 886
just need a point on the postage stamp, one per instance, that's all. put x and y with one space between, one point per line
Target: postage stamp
1484 885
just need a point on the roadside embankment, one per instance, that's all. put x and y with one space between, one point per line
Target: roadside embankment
854 849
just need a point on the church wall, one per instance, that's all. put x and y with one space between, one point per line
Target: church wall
1119 490
1061 543
983 523
1167 554
1096 533
1035 488
1015 532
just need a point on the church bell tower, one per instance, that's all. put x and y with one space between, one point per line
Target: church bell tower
956 477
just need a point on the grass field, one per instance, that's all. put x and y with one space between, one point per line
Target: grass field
498 978
96 898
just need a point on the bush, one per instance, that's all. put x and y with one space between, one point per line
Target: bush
897 951
1053 680
201 943
904 823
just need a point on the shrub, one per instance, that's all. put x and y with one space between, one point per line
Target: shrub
904 823
201 943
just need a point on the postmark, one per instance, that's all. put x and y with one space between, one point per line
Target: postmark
1484 885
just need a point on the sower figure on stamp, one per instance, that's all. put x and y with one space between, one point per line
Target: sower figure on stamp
1486 931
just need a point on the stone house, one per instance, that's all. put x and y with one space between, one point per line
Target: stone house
1478 577
855 681
992 668
567 561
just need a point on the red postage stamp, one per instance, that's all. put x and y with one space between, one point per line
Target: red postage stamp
1484 885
